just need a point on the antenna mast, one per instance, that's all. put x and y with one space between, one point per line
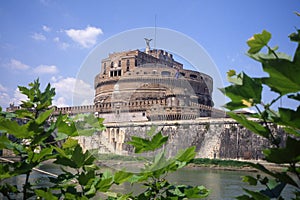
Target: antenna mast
155 32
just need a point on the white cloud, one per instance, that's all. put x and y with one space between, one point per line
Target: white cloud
56 39
17 65
85 37
45 69
18 97
62 45
2 88
4 100
68 89
38 36
60 102
7 97
46 28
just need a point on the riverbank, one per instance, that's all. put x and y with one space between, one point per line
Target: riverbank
232 165
136 163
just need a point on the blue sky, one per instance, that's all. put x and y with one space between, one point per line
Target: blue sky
52 39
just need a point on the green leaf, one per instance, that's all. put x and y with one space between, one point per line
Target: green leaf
5 143
281 176
261 57
152 130
250 180
7 189
287 76
257 195
22 113
47 195
295 36
122 176
289 117
65 162
288 154
186 155
78 156
85 177
258 41
66 127
196 192
70 143
294 96
231 73
105 184
274 189
142 145
92 191
44 116
232 77
253 126
42 155
243 95
292 131
13 128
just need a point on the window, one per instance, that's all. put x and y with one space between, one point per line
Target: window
112 64
127 63
193 76
182 74
111 73
119 64
165 73
104 68
135 62
119 72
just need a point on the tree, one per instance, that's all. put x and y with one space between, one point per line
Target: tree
35 137
246 92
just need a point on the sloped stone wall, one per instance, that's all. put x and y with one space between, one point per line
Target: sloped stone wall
213 139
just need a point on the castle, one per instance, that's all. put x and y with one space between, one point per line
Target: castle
150 85
136 90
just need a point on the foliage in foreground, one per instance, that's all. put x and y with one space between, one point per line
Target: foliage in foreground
246 92
36 138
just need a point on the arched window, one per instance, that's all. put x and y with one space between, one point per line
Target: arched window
193 76
165 73
119 64
112 64
135 62
127 63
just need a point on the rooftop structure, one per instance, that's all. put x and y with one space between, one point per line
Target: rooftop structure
150 85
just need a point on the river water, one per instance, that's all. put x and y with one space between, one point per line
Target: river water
222 184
